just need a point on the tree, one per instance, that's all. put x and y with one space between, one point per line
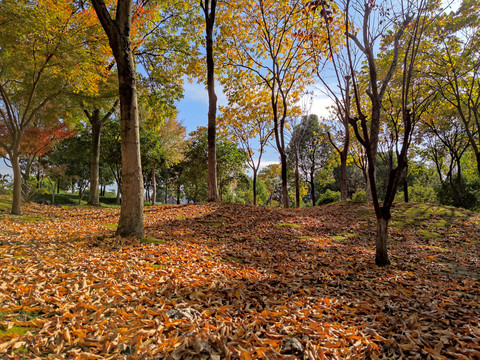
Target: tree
118 31
310 147
454 67
246 118
209 8
39 61
37 141
264 47
97 121
391 25
110 155
162 146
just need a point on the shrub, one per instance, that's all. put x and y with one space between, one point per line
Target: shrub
360 195
328 197
458 194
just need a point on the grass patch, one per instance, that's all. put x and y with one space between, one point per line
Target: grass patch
288 225
30 219
111 226
433 247
429 234
15 329
338 238
302 237
236 259
151 240
260 239
5 204
157 266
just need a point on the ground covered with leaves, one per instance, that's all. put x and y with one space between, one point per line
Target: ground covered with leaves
233 281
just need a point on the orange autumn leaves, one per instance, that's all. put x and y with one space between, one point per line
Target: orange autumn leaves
232 282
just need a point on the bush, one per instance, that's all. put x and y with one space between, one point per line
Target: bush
458 194
328 197
360 195
421 194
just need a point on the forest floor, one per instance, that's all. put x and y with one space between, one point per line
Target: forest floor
230 281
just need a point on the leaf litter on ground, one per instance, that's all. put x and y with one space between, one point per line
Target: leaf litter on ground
74 290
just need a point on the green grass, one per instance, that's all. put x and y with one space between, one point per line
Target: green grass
151 240
288 225
5 204
19 330
158 266
236 259
111 226
429 234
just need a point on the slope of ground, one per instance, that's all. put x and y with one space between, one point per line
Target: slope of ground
232 281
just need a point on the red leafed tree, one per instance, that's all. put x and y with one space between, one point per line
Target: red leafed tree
39 140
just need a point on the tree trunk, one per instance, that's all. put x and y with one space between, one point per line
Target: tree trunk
166 191
381 255
254 186
17 184
297 179
405 183
154 186
312 188
343 175
93 197
209 8
285 200
118 32
53 192
119 191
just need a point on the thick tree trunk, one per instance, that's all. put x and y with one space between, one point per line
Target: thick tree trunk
118 32
93 197
154 186
381 254
131 213
17 183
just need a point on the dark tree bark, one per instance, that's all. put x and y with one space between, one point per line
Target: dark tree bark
97 123
118 32
209 8
154 186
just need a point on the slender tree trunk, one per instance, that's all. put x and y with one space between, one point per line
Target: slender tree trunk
343 175
312 188
17 183
119 191
166 191
53 192
254 186
154 186
93 197
297 179
209 8
285 199
405 183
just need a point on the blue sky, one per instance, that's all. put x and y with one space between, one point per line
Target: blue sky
193 110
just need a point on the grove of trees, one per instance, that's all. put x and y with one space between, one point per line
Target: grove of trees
89 94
